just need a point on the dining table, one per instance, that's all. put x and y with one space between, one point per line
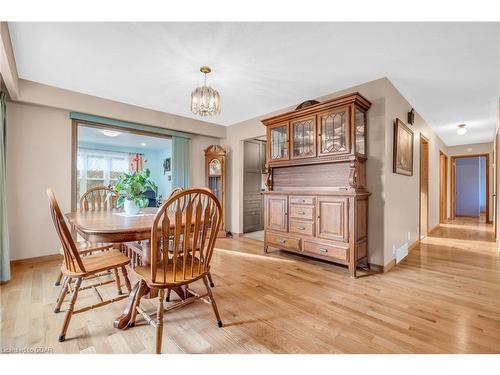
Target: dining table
115 226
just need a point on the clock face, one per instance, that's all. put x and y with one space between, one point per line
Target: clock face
215 168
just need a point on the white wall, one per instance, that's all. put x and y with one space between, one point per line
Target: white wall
38 157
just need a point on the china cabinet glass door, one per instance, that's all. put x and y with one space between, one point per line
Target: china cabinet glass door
278 142
360 125
303 138
333 132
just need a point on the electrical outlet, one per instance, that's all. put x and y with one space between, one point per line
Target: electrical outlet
409 236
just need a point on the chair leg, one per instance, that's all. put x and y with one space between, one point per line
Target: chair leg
117 279
127 281
210 279
167 299
62 294
159 321
214 306
71 307
58 281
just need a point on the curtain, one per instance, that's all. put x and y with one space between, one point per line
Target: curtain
135 161
4 234
180 162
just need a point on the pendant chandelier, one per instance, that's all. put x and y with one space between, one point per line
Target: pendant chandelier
205 101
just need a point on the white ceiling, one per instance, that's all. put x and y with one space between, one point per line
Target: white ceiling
88 134
448 71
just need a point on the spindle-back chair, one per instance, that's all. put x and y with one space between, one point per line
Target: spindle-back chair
183 238
76 269
97 198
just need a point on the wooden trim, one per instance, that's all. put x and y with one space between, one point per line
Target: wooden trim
453 187
382 269
34 260
413 245
433 228
443 188
423 139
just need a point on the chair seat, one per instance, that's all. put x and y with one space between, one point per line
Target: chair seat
102 262
144 272
84 246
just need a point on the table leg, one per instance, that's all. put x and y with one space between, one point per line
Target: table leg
146 261
137 292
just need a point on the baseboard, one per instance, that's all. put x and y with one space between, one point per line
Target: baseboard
386 268
382 269
433 228
45 258
413 245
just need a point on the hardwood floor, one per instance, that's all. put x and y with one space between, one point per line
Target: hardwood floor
443 298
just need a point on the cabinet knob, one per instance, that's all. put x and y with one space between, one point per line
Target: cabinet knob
323 250
301 213
282 241
301 227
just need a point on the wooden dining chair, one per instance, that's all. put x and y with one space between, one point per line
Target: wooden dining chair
134 249
96 198
76 268
182 243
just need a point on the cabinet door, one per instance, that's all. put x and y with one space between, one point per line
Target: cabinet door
303 138
333 132
333 218
278 142
360 131
277 212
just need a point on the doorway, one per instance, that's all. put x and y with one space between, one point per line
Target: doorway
254 160
101 154
443 187
470 176
424 187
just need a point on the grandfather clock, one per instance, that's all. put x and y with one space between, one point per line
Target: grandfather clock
215 172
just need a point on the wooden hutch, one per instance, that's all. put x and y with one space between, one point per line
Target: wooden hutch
317 203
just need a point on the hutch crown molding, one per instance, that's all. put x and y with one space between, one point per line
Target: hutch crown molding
316 203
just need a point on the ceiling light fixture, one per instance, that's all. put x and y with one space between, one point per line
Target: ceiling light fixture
110 133
205 101
143 144
461 129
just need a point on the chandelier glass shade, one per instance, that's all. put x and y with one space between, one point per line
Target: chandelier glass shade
205 101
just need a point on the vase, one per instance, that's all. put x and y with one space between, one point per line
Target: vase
130 207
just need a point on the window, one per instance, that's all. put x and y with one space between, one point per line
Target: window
96 167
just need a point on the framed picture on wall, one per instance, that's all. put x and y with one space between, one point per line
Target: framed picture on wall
166 165
403 149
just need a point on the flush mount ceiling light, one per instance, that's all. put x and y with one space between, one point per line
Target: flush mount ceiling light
110 133
205 101
461 129
143 144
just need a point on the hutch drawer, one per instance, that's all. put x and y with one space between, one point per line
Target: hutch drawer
295 199
302 227
325 250
301 212
281 241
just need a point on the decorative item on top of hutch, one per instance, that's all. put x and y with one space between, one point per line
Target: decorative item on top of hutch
316 203
215 172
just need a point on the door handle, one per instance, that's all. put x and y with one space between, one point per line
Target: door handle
282 242
323 250
301 227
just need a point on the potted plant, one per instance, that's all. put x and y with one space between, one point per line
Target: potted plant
131 189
